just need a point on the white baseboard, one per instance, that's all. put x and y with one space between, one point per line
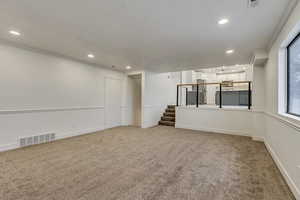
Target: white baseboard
8 147
213 130
295 190
77 133
259 139
222 131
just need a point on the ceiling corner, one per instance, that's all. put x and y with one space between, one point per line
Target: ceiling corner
284 18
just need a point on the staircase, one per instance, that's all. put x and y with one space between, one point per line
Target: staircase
168 119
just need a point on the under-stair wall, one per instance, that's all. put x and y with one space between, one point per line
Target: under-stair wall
159 92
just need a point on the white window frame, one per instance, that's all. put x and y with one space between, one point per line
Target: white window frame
282 74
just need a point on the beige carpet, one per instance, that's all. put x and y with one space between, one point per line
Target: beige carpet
129 163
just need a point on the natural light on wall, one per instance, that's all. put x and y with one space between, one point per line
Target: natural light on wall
289 75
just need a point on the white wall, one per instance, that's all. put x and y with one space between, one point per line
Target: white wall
187 77
113 97
228 121
282 134
127 99
159 91
42 93
258 88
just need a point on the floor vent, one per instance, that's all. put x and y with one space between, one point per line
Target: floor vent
37 139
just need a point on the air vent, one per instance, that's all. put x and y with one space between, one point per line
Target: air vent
252 3
37 139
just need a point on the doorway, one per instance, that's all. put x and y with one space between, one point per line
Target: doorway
136 83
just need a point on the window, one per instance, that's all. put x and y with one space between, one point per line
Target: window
293 77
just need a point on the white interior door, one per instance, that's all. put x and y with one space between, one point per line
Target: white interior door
113 100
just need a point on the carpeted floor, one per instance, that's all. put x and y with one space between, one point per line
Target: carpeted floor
127 163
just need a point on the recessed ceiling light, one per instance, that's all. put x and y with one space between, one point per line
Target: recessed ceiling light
223 21
230 51
16 33
128 67
91 55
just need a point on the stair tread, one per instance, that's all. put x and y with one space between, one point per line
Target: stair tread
168 118
167 123
170 110
169 114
